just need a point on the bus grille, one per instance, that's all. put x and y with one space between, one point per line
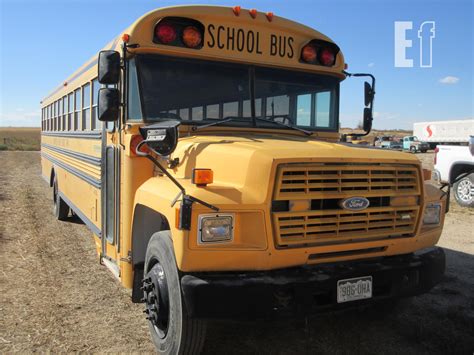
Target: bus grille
324 186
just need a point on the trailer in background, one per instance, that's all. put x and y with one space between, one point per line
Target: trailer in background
444 132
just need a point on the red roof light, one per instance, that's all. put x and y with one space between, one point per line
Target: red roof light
309 53
327 57
165 32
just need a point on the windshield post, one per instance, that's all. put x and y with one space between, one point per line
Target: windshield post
252 94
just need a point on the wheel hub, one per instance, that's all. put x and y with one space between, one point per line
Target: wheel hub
155 292
466 190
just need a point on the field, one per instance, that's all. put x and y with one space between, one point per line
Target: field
15 138
55 297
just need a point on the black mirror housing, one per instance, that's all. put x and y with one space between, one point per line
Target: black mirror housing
108 104
367 119
109 67
161 137
368 93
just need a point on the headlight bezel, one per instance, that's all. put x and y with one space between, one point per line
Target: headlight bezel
435 217
214 216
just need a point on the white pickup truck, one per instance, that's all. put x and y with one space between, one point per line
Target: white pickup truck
454 165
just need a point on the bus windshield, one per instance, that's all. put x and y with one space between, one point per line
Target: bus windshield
200 92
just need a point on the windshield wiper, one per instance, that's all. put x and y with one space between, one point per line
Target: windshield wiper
261 119
291 126
223 120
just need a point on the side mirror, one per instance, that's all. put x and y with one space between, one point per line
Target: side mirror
368 93
367 119
109 67
161 137
108 105
471 145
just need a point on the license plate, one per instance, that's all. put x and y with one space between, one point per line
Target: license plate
358 288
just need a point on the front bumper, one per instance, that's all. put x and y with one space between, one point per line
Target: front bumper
308 289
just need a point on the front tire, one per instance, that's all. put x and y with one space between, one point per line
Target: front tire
60 208
413 150
464 191
172 331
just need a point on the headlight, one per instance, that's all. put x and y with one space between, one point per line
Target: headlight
432 213
215 228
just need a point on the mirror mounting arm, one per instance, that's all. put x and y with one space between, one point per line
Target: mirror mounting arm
370 105
187 201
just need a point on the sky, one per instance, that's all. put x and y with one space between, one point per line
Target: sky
43 42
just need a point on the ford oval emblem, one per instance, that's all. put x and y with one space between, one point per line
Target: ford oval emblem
355 203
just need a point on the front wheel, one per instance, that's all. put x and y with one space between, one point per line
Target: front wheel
464 191
413 149
172 331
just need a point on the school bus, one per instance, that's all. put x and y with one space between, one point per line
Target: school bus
202 149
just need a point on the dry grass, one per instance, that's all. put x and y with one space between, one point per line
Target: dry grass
19 138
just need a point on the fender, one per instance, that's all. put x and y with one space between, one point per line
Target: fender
459 168
152 213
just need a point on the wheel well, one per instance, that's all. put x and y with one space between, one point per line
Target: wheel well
458 169
146 222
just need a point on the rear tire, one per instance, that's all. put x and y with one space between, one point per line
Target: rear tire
172 331
464 191
60 208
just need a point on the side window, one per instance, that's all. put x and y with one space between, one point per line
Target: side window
323 104
134 105
230 109
278 105
246 110
60 114
55 123
197 113
95 96
77 108
70 104
303 110
212 111
64 113
86 107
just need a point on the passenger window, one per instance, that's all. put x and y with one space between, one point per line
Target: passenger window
184 113
303 110
86 108
247 112
323 103
70 104
278 105
197 113
55 123
77 108
65 113
231 109
212 111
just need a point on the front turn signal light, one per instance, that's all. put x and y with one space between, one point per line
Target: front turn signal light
202 177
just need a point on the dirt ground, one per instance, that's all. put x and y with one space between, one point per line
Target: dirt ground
56 297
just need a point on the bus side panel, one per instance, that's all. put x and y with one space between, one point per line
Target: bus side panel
82 197
46 169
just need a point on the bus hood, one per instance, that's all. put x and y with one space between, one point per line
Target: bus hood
245 163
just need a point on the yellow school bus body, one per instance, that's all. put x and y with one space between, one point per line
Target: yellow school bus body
246 163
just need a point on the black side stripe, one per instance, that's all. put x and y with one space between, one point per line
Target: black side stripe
87 178
76 155
82 216
90 65
83 135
